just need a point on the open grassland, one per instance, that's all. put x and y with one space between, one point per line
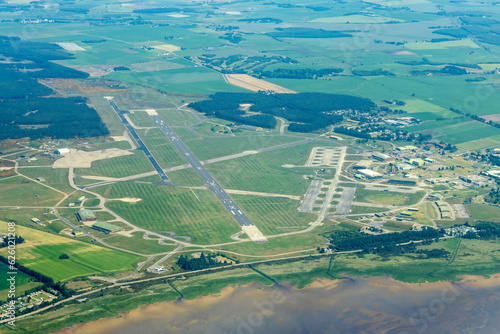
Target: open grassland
19 191
55 177
274 215
162 149
185 177
41 252
175 117
484 212
138 244
388 197
357 209
141 119
128 165
194 213
263 172
213 147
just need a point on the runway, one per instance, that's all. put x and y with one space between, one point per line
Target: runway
141 146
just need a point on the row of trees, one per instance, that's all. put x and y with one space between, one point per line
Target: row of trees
17 239
47 281
362 241
303 73
203 262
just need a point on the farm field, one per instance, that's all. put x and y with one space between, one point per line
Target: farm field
254 84
187 212
41 250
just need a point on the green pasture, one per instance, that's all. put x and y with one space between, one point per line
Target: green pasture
185 177
41 252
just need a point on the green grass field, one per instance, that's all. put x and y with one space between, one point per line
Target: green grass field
194 213
138 244
128 165
185 177
484 212
41 250
55 177
388 197
19 191
264 172
162 149
274 215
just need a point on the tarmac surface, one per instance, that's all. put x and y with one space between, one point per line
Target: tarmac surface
210 182
140 143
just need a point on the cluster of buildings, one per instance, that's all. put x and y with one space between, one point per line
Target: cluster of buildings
401 121
459 231
89 217
444 209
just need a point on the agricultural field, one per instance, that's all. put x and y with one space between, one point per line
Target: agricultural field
41 250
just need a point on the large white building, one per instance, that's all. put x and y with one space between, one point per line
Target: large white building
62 151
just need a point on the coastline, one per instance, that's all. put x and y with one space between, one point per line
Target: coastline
157 312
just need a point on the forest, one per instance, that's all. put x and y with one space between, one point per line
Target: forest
307 111
25 109
303 73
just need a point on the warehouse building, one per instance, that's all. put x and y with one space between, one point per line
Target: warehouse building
382 157
62 151
363 164
106 227
86 215
370 174
404 180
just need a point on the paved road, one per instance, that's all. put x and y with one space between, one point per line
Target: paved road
141 145
211 183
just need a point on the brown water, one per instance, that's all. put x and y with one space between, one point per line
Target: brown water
374 305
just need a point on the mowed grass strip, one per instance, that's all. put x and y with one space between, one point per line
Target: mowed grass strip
128 165
194 213
41 252
162 149
19 191
274 215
